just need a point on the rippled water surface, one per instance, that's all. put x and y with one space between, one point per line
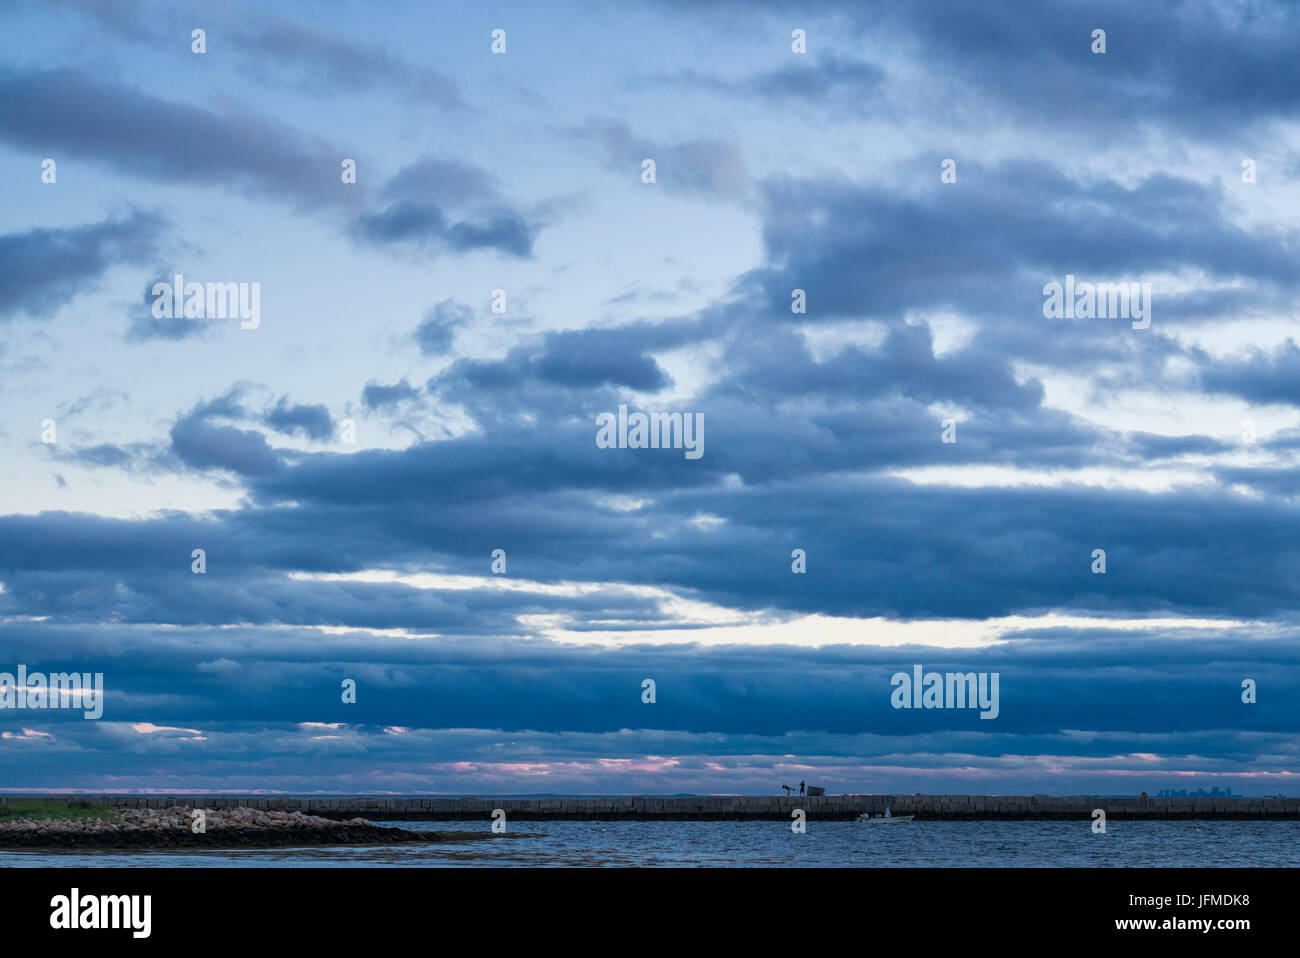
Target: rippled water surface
943 844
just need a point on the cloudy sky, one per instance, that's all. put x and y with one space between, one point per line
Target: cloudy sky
437 339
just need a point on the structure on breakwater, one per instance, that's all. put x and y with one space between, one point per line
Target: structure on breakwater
720 807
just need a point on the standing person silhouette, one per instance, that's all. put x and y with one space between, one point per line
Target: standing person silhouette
801 788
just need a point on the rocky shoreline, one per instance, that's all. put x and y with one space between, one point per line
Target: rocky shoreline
172 827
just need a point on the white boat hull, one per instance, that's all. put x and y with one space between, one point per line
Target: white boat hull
882 820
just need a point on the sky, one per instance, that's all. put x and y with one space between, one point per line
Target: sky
837 265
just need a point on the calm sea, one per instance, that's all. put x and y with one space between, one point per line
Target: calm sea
931 844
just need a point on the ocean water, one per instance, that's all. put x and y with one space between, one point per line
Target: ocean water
836 844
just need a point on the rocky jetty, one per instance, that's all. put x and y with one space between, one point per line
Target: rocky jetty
174 827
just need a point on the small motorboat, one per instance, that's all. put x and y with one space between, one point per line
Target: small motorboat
885 819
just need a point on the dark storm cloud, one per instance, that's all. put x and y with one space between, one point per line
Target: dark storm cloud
234 590
441 180
202 445
578 359
199 443
830 78
198 440
427 227
1093 696
1201 68
868 251
965 553
321 62
1264 376
799 432
878 547
134 132
436 331
42 270
839 83
378 396
1284 439
438 205
1281 482
225 406
1151 446
985 251
780 365
312 421
805 437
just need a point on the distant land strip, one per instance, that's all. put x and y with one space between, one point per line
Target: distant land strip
716 807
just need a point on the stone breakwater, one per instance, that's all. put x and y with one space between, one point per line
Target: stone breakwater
172 827
727 807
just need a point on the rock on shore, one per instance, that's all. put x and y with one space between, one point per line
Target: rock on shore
223 828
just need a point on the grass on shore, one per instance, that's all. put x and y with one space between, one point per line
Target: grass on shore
78 811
